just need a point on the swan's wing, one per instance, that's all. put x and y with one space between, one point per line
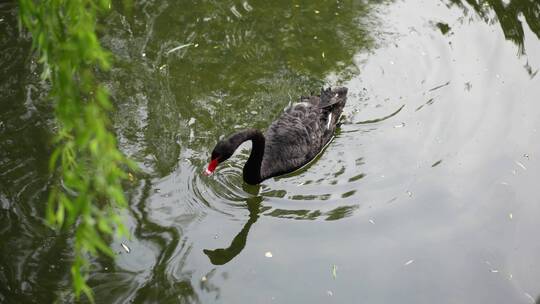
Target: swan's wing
300 133
292 140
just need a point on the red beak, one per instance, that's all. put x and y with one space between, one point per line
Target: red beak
211 167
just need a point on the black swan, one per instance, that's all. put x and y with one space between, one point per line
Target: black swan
290 142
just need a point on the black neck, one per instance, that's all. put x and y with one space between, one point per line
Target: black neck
252 168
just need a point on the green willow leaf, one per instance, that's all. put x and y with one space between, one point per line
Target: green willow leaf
90 168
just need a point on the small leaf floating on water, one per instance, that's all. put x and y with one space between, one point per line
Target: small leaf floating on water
334 271
268 254
436 163
126 248
130 177
409 262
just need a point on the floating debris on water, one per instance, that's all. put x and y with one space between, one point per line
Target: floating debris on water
334 271
437 163
494 271
126 248
162 67
409 193
526 155
521 165
329 293
372 221
247 7
439 86
409 262
510 216
235 12
401 125
143 54
316 11
178 48
268 254
203 279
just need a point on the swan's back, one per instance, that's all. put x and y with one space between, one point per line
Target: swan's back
301 132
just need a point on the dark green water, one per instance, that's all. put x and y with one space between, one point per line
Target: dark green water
438 203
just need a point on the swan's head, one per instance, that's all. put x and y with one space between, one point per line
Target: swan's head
223 151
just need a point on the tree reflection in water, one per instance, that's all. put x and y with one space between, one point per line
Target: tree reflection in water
508 14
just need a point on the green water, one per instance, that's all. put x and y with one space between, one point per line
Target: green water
436 203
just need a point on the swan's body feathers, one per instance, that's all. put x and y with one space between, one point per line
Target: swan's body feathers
301 132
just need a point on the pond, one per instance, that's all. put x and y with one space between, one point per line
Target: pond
427 194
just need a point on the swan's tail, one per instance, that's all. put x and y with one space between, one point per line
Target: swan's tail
333 101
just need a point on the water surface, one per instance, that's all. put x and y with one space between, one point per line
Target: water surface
427 194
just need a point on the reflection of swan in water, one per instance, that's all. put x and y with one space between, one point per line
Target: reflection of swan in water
222 256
